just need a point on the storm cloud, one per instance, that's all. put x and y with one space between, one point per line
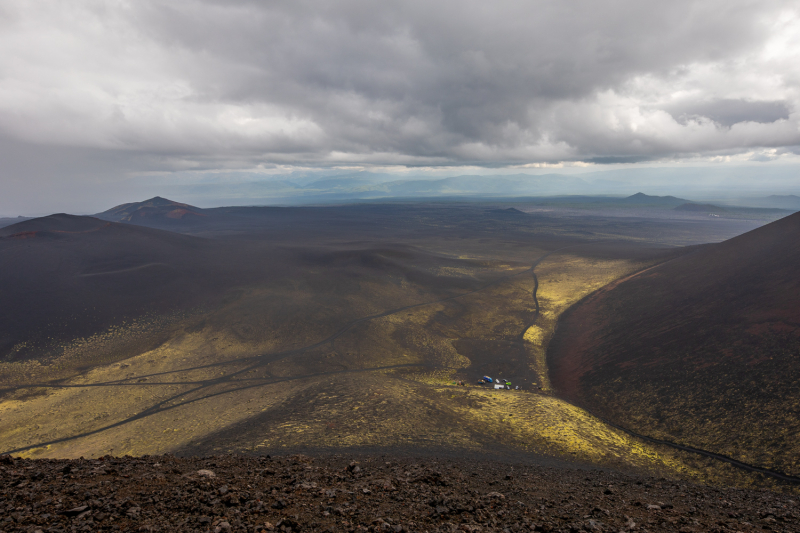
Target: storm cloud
240 84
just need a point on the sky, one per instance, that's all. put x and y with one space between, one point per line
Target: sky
101 100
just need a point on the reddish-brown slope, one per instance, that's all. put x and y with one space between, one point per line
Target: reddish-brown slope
702 350
154 212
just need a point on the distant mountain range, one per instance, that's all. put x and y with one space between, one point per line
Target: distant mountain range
316 187
788 201
163 213
357 186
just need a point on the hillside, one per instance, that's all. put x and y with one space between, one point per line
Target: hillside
327 328
156 211
316 328
645 199
64 278
703 350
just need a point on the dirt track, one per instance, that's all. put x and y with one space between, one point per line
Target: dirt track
254 362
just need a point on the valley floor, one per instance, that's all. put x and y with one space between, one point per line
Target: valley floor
337 342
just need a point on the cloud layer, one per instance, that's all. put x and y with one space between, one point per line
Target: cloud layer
192 84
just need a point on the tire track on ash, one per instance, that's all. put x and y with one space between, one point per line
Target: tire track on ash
260 361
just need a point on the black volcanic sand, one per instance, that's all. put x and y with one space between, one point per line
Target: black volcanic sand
65 277
702 350
365 493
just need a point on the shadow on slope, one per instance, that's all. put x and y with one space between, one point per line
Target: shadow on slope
65 277
703 350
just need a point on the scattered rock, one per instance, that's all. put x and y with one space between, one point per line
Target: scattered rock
279 504
75 511
594 525
329 494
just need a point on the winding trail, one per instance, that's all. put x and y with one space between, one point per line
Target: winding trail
160 407
258 361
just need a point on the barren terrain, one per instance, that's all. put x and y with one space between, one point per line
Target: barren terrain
317 329
701 351
378 493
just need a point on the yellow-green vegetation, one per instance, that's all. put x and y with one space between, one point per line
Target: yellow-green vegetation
365 362
750 418
701 351
565 278
70 359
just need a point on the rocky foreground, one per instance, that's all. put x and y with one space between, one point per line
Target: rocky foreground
375 493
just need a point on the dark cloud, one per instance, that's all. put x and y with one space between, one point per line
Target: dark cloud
728 112
613 160
196 85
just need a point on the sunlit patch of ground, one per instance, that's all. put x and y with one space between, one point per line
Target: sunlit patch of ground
70 359
376 410
701 351
565 278
336 362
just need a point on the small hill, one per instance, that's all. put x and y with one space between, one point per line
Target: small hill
58 224
645 199
511 212
64 277
155 209
775 201
786 201
703 350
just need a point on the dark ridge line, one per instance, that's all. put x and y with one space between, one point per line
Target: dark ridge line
700 451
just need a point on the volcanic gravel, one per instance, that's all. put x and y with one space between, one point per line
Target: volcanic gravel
224 494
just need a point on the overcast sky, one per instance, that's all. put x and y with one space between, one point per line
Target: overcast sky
96 93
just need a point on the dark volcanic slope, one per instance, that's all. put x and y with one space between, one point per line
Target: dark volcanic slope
703 350
373 494
64 277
